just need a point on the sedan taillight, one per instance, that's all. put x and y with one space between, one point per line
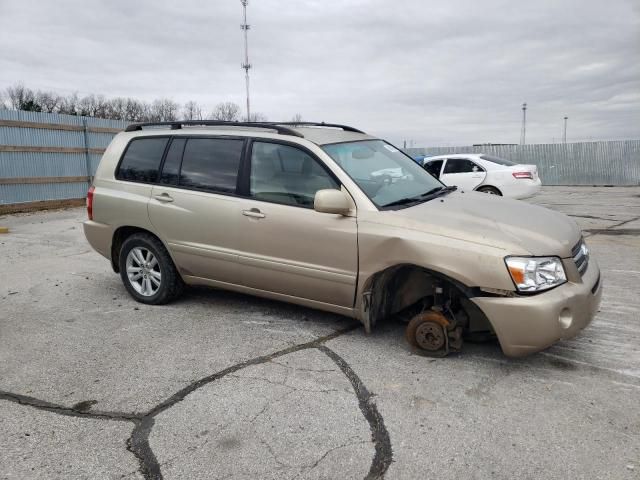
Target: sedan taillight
528 175
90 202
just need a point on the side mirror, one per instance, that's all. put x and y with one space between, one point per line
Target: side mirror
331 201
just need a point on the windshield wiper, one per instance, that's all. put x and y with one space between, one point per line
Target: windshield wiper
444 190
423 197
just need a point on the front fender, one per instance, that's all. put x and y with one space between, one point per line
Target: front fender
381 247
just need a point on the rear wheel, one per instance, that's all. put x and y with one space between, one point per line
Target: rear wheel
147 271
490 190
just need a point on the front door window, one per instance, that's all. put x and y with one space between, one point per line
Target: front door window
287 175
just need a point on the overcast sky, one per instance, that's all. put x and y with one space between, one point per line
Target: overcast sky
436 72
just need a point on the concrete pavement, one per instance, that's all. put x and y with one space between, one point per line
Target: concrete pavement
221 385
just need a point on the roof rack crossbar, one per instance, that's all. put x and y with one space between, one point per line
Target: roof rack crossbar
346 128
178 124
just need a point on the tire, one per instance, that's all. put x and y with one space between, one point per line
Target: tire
147 271
490 191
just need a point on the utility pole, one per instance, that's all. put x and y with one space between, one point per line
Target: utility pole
564 135
523 131
246 65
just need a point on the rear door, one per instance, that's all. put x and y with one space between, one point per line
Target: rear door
194 207
285 245
463 173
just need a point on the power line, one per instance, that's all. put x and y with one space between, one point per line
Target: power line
246 65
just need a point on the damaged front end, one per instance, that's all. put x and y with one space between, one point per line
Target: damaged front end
436 308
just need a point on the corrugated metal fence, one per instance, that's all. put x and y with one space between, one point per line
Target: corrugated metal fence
49 158
588 163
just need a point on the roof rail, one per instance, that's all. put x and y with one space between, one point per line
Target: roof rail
346 128
178 124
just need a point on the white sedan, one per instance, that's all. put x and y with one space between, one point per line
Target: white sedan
485 173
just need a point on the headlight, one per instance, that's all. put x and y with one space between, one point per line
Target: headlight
536 274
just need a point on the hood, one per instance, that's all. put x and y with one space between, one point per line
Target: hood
517 227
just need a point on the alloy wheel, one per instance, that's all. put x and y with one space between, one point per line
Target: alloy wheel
143 271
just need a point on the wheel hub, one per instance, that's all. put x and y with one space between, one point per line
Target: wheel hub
430 336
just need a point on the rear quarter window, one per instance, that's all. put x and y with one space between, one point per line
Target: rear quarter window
498 160
171 167
141 160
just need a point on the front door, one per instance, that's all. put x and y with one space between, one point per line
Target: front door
434 167
286 246
463 173
194 206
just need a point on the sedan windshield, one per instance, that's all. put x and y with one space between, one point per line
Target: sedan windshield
385 174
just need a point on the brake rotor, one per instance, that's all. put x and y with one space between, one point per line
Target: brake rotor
427 334
430 336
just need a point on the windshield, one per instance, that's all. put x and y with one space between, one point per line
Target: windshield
498 160
384 173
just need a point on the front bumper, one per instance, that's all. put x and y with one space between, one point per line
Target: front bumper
527 324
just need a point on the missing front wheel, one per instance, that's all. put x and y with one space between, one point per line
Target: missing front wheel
433 335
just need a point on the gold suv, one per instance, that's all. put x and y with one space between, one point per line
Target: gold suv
326 216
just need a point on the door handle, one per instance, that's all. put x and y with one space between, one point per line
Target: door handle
164 197
254 213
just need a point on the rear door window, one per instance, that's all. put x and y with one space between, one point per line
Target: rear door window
211 164
460 165
141 160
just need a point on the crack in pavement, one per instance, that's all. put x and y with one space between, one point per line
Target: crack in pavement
138 442
592 217
307 468
610 229
634 232
379 434
67 411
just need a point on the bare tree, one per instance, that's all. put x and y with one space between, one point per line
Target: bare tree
163 110
49 101
69 105
101 107
297 118
87 106
18 97
115 108
135 110
93 106
192 111
227 111
21 98
258 117
15 96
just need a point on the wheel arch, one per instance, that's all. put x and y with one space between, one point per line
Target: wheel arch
120 235
485 185
390 290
